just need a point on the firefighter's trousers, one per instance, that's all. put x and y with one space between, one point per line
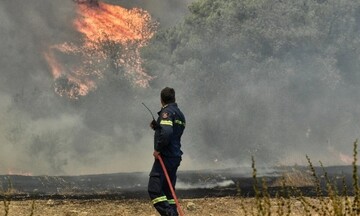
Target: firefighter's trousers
158 188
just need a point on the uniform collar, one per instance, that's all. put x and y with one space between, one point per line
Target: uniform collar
167 105
170 104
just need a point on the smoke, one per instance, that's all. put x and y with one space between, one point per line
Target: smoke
278 109
255 80
278 112
44 133
188 186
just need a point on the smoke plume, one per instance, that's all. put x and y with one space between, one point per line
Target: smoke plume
273 79
45 133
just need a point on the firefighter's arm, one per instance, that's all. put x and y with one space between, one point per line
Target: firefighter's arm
166 130
154 125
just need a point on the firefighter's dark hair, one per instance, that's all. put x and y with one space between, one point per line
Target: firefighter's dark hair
168 95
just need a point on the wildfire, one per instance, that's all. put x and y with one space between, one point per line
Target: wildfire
112 38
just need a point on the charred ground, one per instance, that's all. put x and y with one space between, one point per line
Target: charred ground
191 184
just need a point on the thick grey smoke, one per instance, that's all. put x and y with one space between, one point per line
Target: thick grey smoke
273 79
43 133
278 109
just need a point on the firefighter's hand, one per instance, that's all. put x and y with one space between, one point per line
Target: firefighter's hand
154 125
156 154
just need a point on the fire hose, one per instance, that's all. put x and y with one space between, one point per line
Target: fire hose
170 186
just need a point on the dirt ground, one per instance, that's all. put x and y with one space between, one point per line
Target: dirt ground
191 207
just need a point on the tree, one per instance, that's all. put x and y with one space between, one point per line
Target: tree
255 69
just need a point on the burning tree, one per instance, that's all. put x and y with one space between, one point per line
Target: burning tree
65 87
112 37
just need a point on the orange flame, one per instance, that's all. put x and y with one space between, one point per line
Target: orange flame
114 22
55 66
112 36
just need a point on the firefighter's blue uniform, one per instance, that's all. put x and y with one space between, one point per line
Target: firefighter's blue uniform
167 141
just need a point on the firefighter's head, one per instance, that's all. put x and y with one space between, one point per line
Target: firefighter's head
167 96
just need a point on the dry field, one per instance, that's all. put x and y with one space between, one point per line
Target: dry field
192 207
295 204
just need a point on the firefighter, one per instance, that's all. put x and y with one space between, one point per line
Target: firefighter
168 129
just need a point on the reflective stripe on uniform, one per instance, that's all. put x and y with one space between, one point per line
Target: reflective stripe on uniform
171 201
166 122
159 199
180 122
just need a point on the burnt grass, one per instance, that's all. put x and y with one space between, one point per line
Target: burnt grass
205 184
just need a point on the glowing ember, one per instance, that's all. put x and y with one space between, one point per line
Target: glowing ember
112 37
